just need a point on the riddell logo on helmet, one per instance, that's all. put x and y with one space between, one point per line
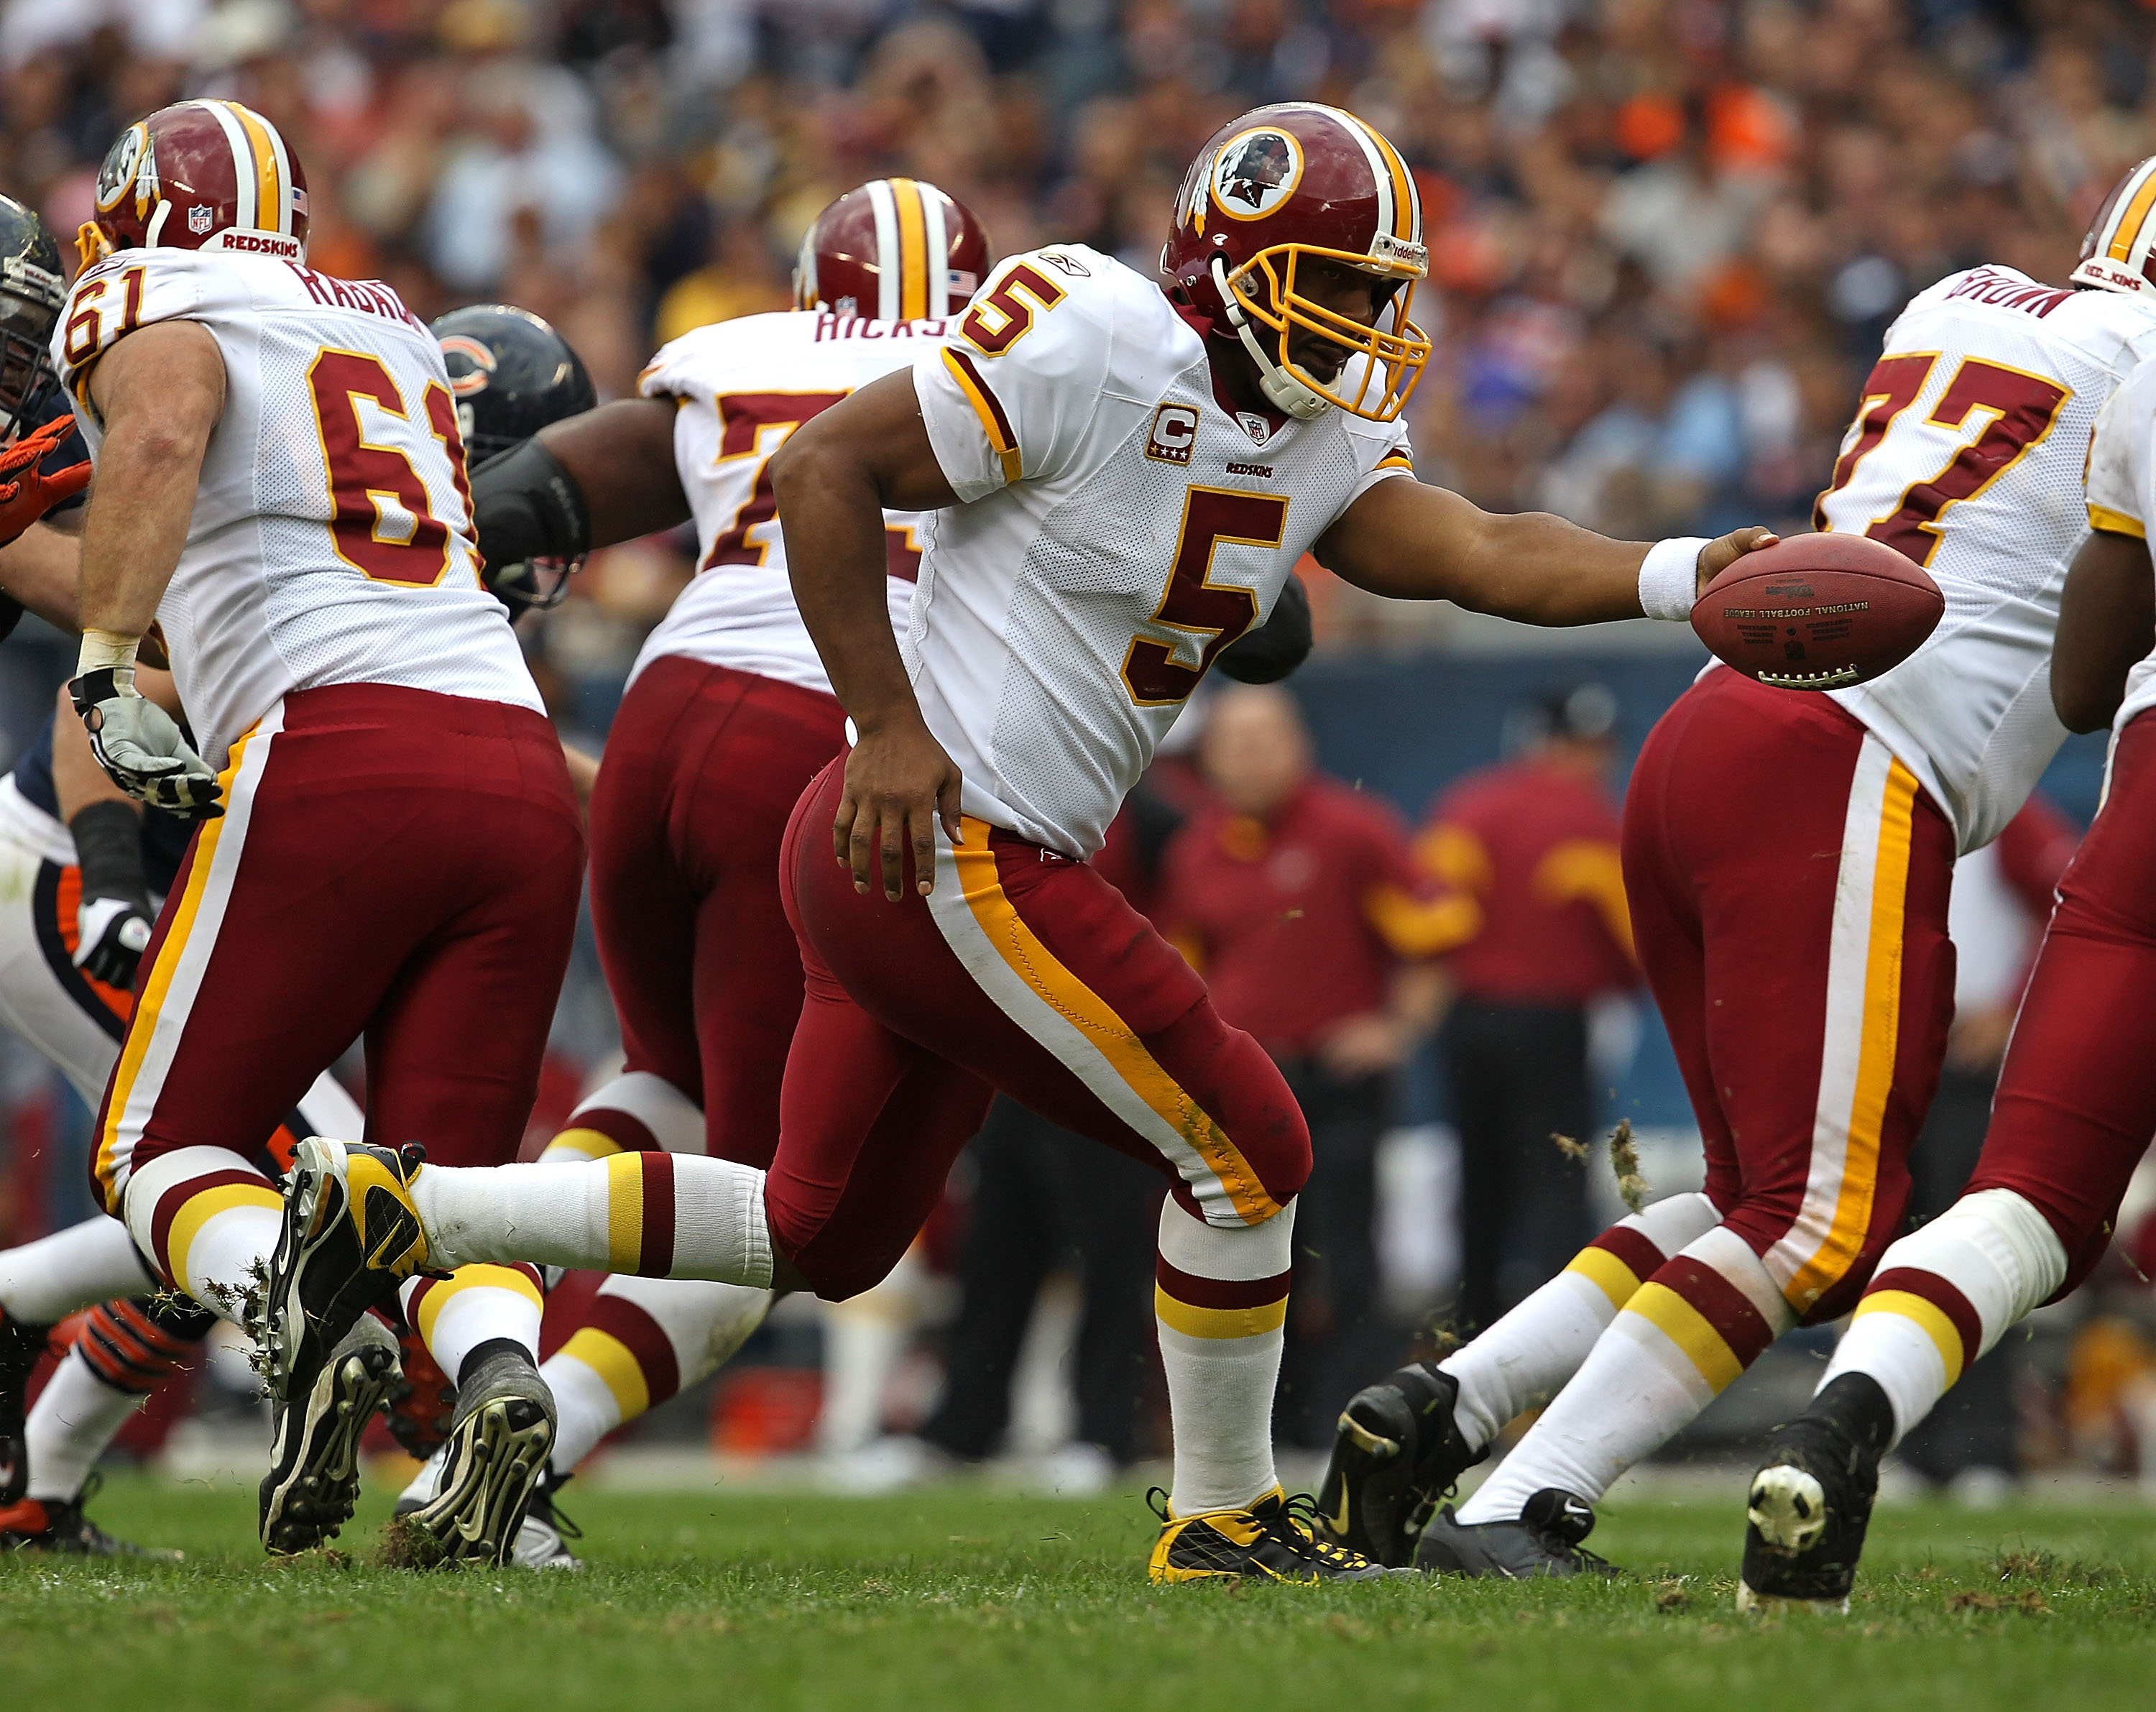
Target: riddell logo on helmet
251 242
1254 172
1174 430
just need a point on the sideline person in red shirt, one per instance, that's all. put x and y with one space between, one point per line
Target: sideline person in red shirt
1530 847
1301 902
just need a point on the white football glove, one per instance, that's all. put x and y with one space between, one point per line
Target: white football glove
141 748
111 935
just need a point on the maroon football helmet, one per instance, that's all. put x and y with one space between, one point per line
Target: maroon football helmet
1277 188
199 175
2119 252
895 249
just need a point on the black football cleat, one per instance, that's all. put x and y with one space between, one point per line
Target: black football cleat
49 1526
1545 1541
313 1483
351 1236
1809 1507
20 1347
541 1543
1274 1539
1398 1451
495 1460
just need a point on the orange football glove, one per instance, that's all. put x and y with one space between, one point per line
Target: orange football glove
26 494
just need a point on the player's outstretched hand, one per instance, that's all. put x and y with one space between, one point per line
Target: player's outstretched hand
27 494
1723 552
141 748
898 782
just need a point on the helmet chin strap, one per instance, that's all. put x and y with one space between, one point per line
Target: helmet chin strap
1285 392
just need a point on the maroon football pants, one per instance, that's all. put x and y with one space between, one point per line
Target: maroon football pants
1788 881
2076 1104
392 865
704 766
1024 973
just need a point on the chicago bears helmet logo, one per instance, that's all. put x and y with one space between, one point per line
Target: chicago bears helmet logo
469 362
1254 173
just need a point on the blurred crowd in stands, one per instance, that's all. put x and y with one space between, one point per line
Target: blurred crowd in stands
1667 236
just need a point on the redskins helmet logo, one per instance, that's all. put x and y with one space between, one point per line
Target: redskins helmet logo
122 160
1254 172
474 378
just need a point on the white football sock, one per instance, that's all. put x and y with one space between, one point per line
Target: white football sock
1219 1302
1944 1295
1522 1361
223 1223
1685 1334
657 1214
643 1340
70 1424
43 1282
474 1305
636 1112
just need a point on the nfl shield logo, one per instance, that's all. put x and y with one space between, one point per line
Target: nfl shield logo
198 220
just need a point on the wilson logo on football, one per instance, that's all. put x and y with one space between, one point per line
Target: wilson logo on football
1255 172
1174 431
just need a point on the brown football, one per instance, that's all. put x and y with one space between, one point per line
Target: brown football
1819 612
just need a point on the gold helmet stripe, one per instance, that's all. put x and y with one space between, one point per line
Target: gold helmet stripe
271 213
912 259
2133 215
244 173
1407 204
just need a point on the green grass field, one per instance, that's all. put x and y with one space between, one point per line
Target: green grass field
964 1597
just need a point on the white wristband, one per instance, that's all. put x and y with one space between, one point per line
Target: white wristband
104 648
1669 577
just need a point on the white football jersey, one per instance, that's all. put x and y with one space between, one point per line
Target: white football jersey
744 386
1118 526
2122 496
1968 454
332 540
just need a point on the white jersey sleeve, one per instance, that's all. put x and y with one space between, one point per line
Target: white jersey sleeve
1968 454
2118 467
331 541
1012 397
2121 498
742 387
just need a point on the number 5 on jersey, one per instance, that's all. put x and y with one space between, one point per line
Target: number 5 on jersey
1191 601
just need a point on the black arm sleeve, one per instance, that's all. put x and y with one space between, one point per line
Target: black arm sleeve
11 615
108 842
1277 646
526 506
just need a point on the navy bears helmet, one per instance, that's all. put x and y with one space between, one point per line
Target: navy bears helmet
33 291
511 374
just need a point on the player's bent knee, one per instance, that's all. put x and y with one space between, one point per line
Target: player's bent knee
1990 1240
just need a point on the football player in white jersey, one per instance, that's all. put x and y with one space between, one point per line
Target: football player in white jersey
2076 1104
281 486
1122 472
1808 1000
728 715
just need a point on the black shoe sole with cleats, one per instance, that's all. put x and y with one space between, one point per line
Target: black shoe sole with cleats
313 1483
1809 1507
